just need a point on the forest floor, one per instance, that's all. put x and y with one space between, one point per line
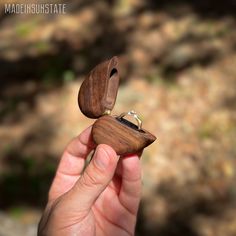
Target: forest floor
178 71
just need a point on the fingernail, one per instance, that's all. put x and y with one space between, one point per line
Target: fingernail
101 158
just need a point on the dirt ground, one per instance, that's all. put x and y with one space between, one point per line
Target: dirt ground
178 71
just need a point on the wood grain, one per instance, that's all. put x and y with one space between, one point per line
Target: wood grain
99 89
122 138
97 94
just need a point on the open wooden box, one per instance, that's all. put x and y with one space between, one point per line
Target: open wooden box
97 96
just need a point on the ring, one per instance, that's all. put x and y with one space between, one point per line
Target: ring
135 115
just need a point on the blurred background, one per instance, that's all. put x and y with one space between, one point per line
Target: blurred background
178 71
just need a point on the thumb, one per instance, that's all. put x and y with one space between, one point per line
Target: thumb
95 178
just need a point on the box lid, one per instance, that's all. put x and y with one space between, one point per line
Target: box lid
97 94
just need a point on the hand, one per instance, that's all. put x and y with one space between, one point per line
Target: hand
101 200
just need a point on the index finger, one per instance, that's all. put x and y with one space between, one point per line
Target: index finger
71 164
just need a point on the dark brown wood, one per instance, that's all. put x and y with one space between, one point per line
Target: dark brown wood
99 90
97 95
122 138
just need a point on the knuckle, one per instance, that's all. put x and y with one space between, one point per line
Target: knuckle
90 180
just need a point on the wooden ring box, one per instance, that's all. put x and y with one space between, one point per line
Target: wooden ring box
96 99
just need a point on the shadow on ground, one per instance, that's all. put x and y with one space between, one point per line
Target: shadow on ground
185 210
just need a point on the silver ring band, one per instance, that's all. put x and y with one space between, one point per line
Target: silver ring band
135 115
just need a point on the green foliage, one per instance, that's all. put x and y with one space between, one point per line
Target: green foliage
68 76
17 211
207 130
153 79
42 46
9 106
23 29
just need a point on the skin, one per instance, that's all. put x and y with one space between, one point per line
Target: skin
101 200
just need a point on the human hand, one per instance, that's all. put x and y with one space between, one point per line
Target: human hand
101 200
